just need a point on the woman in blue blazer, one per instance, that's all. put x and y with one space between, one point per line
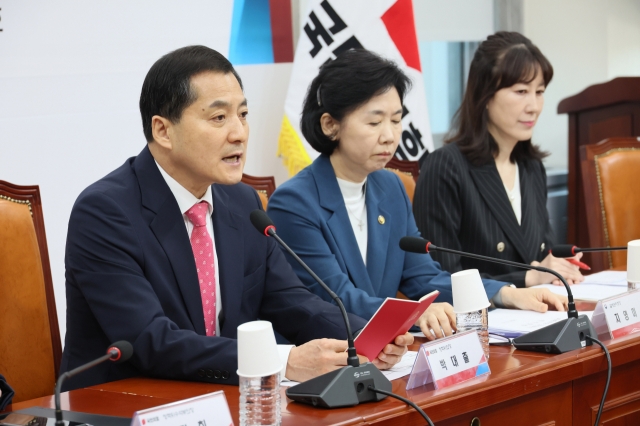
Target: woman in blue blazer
344 215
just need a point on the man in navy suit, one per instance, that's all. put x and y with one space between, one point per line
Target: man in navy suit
161 251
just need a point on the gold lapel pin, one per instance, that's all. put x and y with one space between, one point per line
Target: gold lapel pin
381 220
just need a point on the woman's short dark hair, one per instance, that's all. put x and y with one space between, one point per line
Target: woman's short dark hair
167 90
342 86
502 60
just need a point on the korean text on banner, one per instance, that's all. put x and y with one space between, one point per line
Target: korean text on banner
386 27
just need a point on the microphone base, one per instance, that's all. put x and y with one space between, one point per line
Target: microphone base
563 336
345 387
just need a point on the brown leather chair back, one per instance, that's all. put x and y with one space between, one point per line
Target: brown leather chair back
407 181
611 174
408 172
264 186
30 349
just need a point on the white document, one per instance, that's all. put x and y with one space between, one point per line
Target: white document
589 292
401 369
517 321
615 278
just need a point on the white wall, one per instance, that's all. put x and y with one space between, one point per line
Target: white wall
587 42
266 89
453 20
70 78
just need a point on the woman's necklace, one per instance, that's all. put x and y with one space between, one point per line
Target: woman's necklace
359 219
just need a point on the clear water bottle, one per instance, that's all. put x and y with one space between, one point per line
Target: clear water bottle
260 400
476 320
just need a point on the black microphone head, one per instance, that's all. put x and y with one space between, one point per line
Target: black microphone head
262 222
414 244
122 351
564 250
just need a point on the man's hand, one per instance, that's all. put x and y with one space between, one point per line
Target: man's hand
438 317
318 357
392 353
533 299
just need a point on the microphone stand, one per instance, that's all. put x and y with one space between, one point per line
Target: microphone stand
346 386
68 374
562 336
589 250
352 358
118 352
571 313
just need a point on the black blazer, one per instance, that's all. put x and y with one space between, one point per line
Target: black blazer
465 207
131 276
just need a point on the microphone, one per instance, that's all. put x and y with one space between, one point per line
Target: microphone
118 352
347 386
567 250
559 337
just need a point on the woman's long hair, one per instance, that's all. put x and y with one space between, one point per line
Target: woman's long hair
502 60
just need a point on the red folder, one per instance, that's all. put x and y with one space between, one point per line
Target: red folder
393 318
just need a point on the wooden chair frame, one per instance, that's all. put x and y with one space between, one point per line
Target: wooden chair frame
411 168
30 195
263 184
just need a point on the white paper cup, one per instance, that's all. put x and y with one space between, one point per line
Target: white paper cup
469 294
633 261
257 350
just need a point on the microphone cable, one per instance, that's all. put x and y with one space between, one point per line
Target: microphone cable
606 385
405 400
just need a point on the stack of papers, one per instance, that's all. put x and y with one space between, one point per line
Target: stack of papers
513 323
615 278
588 292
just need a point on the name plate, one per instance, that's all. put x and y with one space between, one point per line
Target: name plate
449 361
204 410
617 316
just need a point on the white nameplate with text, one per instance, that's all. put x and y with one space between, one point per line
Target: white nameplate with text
204 410
617 316
449 361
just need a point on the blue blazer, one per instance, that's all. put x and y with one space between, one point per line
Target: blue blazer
131 275
311 217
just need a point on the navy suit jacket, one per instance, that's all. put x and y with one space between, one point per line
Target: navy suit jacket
465 207
131 275
310 215
7 393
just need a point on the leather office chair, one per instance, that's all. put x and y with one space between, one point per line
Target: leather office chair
408 172
30 349
611 173
264 186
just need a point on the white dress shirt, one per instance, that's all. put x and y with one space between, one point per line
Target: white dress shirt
186 200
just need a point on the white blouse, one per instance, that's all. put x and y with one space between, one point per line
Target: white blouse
515 197
354 200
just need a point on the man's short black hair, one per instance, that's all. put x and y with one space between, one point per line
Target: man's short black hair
167 90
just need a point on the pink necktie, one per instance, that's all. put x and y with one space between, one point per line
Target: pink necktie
202 246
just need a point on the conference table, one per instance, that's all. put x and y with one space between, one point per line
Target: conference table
524 388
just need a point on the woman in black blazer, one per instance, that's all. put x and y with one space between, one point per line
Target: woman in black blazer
485 191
